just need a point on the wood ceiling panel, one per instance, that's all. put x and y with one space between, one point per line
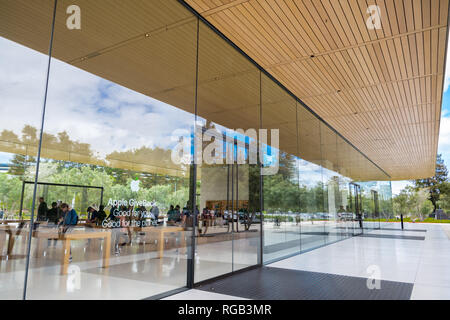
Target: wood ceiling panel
381 89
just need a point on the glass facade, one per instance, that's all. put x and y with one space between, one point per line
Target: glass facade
166 158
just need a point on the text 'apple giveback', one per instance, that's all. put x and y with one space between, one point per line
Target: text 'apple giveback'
145 217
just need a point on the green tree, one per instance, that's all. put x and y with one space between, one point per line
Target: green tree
401 203
426 208
18 165
416 202
444 200
435 184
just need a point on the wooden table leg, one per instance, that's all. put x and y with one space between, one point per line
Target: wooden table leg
39 246
66 256
161 245
10 243
2 241
206 229
184 241
107 250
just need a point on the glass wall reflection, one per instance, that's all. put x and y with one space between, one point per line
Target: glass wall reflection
119 94
120 202
22 84
227 177
280 189
311 185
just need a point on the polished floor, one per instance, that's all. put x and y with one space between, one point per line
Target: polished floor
136 273
416 258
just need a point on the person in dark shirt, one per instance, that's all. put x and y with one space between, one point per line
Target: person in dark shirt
70 218
173 215
53 217
113 213
178 213
52 214
42 210
186 213
92 215
69 221
101 215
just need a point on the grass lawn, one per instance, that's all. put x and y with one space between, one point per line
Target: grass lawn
427 220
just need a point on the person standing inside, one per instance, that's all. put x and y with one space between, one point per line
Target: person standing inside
53 217
155 212
70 216
92 215
101 215
52 214
178 213
171 218
42 210
69 220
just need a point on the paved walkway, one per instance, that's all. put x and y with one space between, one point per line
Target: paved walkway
412 264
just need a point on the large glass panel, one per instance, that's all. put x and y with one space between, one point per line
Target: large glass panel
281 191
121 99
386 210
333 226
369 204
23 64
310 181
227 175
344 213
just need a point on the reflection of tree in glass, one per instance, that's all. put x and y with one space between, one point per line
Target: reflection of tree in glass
165 189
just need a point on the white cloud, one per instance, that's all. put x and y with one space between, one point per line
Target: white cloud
447 72
92 110
398 186
444 137
444 133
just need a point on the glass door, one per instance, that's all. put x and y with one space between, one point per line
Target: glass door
356 208
228 237
376 210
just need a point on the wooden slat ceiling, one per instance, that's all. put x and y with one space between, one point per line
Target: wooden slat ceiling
149 46
381 89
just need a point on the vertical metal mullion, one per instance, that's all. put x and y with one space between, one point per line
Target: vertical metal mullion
391 205
261 193
298 171
321 174
191 259
101 196
21 200
232 212
232 196
228 188
38 160
237 195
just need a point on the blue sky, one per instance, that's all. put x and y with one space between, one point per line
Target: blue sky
444 134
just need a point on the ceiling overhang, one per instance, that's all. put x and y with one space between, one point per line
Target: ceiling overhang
380 88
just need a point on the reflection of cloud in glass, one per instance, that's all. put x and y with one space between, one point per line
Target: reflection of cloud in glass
90 109
309 173
5 157
22 83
